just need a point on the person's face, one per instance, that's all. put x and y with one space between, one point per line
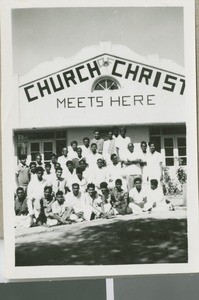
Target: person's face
54 159
60 199
75 190
110 135
38 159
21 194
131 148
126 196
94 148
115 132
97 135
23 161
104 191
48 168
152 148
99 163
70 167
91 191
138 185
86 142
79 175
115 159
74 146
47 194
123 132
65 151
82 165
59 173
153 186
40 175
33 168
118 186
144 147
79 152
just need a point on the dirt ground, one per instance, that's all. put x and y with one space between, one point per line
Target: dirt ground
149 238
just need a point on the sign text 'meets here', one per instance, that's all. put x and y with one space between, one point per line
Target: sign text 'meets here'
134 72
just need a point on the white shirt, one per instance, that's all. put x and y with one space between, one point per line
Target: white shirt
154 165
82 183
108 149
100 175
59 185
85 151
77 202
62 160
92 160
71 153
133 169
137 196
115 172
59 208
122 143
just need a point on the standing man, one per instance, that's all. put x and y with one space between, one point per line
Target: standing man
22 175
98 141
154 163
109 147
86 147
59 183
63 158
122 142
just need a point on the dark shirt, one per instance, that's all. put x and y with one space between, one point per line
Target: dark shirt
21 207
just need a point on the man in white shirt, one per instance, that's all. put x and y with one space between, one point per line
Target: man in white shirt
69 173
98 141
86 147
93 203
115 171
93 157
132 167
58 182
63 158
154 163
109 148
143 164
35 192
76 200
100 174
61 211
72 151
80 179
122 142
137 197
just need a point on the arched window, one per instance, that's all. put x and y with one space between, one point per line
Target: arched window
105 83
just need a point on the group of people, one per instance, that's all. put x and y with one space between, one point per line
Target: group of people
101 179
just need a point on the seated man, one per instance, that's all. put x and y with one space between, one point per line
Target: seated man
93 202
106 206
155 198
21 209
45 215
75 199
137 197
60 210
119 199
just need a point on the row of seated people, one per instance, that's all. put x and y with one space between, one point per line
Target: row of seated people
48 208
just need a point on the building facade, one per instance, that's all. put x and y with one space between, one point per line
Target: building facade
100 87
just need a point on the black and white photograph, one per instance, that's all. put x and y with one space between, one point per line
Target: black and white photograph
100 140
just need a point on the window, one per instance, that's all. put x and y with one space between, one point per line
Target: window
106 83
172 141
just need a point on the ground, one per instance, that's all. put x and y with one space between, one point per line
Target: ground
130 239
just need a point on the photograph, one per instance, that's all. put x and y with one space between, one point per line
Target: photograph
100 141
